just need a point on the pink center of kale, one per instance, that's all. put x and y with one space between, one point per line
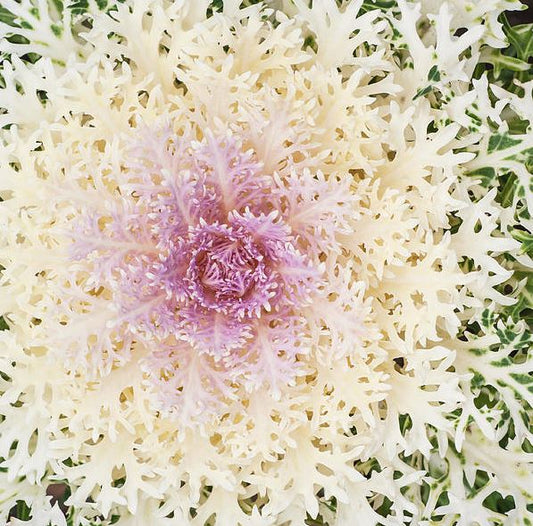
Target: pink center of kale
228 271
202 251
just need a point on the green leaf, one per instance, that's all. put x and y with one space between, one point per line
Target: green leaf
22 511
509 187
487 176
478 380
496 502
502 141
525 299
504 362
434 74
502 62
79 7
422 92
58 5
524 379
488 318
526 238
7 17
521 38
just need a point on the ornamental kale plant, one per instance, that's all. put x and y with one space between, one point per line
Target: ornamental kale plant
265 263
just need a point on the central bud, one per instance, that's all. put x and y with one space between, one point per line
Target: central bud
229 271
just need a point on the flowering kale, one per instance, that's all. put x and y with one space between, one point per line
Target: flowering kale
265 263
